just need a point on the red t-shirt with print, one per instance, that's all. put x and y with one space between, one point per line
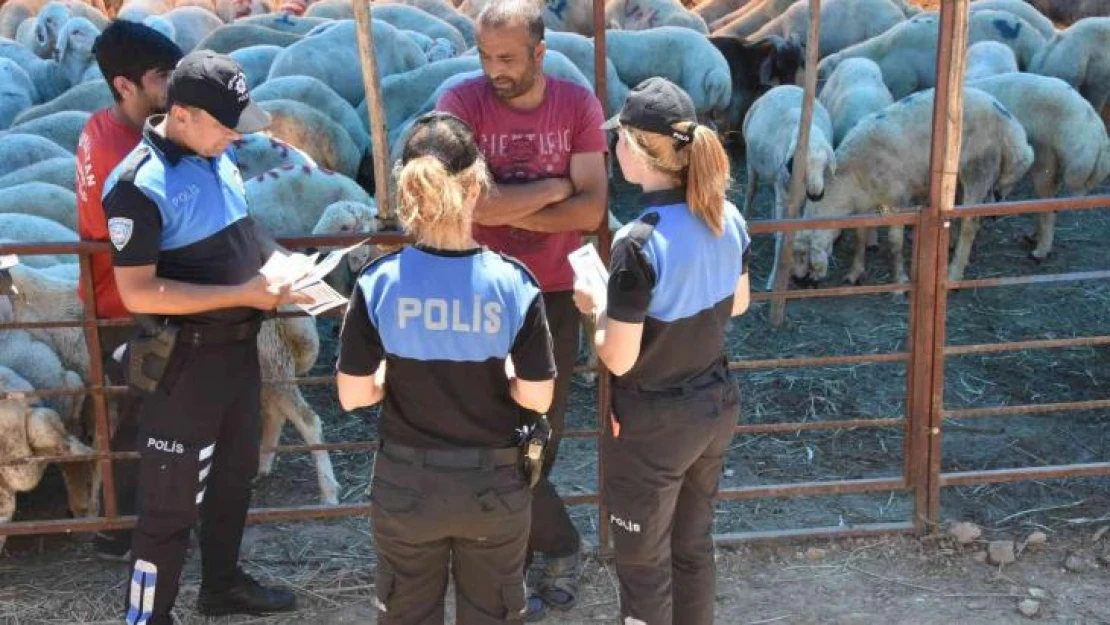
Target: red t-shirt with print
523 146
104 142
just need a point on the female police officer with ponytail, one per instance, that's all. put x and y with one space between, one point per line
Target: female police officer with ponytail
677 274
455 339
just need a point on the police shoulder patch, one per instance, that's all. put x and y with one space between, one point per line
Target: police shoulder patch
120 230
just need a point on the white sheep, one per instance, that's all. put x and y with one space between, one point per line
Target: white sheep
907 52
37 363
315 133
191 25
749 18
404 94
713 10
231 37
162 25
881 165
1022 9
1080 56
684 57
988 58
332 56
436 49
410 18
60 171
444 11
44 29
283 22
63 128
18 151
256 62
854 91
330 9
17 92
580 51
844 23
645 14
257 153
311 92
88 97
15 12
27 430
41 199
289 201
1070 144
138 10
53 77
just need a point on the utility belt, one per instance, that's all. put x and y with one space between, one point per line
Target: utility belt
452 458
148 353
711 377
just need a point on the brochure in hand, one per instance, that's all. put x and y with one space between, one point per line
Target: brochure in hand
307 276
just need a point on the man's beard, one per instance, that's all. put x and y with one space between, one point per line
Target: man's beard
516 89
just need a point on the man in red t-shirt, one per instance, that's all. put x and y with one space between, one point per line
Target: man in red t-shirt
542 139
136 62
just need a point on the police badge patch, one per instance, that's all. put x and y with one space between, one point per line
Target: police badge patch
119 231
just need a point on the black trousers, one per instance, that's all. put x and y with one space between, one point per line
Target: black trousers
430 520
199 442
553 533
661 477
125 438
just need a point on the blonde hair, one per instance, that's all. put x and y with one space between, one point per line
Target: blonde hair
431 199
703 166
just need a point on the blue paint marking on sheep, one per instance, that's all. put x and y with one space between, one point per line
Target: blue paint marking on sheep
285 19
1002 109
557 7
1007 29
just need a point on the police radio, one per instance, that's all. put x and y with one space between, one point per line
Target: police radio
534 442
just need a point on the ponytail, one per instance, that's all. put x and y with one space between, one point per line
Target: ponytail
707 178
431 202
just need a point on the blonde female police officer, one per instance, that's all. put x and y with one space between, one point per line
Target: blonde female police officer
677 275
436 329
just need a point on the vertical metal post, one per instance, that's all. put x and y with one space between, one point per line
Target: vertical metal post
604 238
798 178
928 352
100 404
380 140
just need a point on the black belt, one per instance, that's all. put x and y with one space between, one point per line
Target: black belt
217 334
716 374
452 458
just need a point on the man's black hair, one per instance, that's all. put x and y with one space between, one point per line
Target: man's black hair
131 49
527 13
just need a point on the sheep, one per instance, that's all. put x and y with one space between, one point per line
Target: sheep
881 165
684 57
283 22
645 14
754 68
17 92
311 92
257 153
434 49
28 430
403 94
138 10
231 10
53 77
410 18
580 51
1070 144
1071 11
749 18
41 199
289 201
88 97
1080 56
989 58
44 29
18 151
331 9
256 62
63 128
713 10
844 23
231 37
61 171
854 91
191 25
907 52
15 12
37 363
1021 9
333 57
320 137
286 345
444 11
162 25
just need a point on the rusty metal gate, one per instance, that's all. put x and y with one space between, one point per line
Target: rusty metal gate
924 359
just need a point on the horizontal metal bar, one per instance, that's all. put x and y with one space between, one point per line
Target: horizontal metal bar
997 476
776 536
1002 411
817 361
134 455
79 323
1026 207
845 424
841 291
991 348
1036 279
315 240
770 226
801 489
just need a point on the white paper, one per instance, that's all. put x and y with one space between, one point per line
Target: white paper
8 261
324 298
307 276
589 269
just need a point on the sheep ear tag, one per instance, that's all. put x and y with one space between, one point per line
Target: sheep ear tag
119 231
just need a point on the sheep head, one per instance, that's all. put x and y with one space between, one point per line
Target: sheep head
48 23
75 43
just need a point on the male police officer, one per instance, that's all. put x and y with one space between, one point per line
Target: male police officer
187 259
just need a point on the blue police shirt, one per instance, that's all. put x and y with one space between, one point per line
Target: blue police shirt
671 273
445 322
187 215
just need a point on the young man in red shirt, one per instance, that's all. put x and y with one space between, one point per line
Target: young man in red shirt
542 139
136 61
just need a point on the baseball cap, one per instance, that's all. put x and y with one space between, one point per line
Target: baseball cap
655 105
216 84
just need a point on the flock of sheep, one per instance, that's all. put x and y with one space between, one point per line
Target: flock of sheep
1033 104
